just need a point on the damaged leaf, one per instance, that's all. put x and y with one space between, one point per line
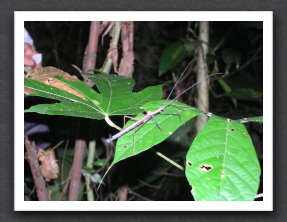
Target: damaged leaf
222 164
49 167
77 99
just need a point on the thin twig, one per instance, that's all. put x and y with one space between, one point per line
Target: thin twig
138 195
63 161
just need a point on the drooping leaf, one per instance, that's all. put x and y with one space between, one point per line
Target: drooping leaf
100 162
171 56
246 94
210 58
226 88
192 45
155 130
88 169
251 24
222 164
257 119
78 99
231 56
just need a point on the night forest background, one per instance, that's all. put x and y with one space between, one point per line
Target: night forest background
162 50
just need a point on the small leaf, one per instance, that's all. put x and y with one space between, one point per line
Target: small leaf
222 164
192 45
210 59
226 88
244 94
171 56
251 24
100 162
88 169
230 56
257 119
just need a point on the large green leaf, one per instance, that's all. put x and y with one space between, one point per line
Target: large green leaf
155 130
171 56
115 98
222 164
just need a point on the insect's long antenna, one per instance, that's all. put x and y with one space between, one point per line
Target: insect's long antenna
179 78
197 83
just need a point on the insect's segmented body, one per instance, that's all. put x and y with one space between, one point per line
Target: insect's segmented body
150 115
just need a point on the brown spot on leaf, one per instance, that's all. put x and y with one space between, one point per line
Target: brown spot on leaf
28 91
46 74
232 129
205 167
229 120
246 134
189 163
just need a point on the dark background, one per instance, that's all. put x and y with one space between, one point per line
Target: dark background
63 43
7 8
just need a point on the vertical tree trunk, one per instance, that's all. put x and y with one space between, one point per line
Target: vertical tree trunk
202 88
88 63
127 62
76 170
91 50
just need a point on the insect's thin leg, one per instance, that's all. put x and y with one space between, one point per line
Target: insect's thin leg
134 137
174 112
129 117
178 108
156 123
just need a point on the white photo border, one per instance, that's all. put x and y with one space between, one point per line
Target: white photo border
265 16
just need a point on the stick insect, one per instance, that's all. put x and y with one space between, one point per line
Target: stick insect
150 115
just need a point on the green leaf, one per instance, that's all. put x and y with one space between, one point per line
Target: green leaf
222 164
230 56
193 32
257 119
210 59
115 98
245 94
192 45
88 169
171 56
100 162
251 24
226 88
151 133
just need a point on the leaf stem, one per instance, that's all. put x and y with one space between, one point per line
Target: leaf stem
167 159
110 122
90 160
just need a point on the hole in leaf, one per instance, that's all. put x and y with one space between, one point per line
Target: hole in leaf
205 167
232 129
191 188
189 163
229 120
